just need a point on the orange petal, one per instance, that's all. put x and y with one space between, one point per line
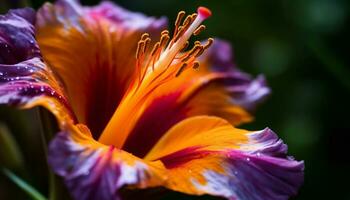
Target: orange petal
92 50
206 155
217 89
201 155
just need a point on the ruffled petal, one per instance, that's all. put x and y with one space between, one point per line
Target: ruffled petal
206 155
92 50
200 155
25 80
94 171
217 89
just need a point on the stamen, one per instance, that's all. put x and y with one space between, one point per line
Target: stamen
199 30
139 49
147 42
155 48
196 65
209 43
181 69
144 36
180 15
192 52
197 43
165 32
164 52
164 40
187 21
185 46
199 52
180 31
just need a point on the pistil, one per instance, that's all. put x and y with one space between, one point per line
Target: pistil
166 60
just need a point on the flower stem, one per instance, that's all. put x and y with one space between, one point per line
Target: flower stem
48 129
32 192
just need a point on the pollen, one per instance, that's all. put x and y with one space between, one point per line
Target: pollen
171 54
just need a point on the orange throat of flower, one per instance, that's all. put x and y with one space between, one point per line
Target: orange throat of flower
167 60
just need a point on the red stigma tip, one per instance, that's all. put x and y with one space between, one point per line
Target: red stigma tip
204 12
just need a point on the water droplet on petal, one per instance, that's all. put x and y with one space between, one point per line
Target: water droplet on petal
248 159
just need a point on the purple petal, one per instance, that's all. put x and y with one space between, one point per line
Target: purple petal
128 19
245 91
24 77
93 171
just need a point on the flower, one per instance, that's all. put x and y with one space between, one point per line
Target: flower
164 117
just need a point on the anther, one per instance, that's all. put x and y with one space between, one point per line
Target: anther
180 15
194 16
185 46
139 50
192 52
164 40
144 36
187 21
199 52
196 65
199 30
165 32
155 48
196 43
147 42
209 43
181 69
180 31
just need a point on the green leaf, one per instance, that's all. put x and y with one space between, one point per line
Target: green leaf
32 192
10 154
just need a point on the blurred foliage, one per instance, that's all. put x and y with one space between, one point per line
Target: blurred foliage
300 46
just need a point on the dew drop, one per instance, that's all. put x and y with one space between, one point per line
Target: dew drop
248 159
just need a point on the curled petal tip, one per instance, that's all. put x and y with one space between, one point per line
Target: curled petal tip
204 12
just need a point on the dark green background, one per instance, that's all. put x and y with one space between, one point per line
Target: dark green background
302 48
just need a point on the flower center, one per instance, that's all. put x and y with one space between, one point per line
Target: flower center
166 52
166 60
